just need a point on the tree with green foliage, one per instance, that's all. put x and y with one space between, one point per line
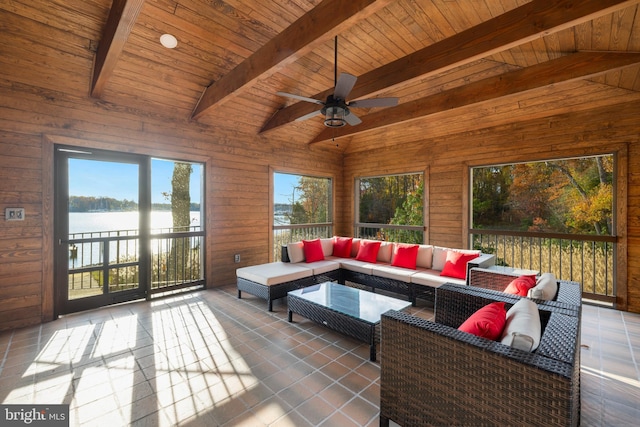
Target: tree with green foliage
380 197
490 195
314 201
410 213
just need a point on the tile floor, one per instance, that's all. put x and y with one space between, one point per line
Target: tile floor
209 359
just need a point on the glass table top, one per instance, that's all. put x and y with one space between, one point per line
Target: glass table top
354 302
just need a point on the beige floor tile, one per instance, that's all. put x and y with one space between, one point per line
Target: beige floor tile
207 358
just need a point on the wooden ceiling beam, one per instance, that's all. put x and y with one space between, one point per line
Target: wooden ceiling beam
317 26
122 17
520 25
575 66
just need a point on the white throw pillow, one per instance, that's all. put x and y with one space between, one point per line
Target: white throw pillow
545 289
296 252
523 328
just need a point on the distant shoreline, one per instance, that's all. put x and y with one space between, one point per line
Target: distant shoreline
82 204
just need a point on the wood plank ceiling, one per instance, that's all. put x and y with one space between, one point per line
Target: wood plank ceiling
454 65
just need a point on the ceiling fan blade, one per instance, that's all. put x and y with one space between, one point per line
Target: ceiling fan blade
344 85
300 98
352 119
308 116
374 102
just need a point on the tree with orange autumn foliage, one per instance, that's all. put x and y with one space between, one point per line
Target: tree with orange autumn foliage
566 196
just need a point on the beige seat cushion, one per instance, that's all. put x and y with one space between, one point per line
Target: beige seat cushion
274 273
357 266
391 272
324 266
433 278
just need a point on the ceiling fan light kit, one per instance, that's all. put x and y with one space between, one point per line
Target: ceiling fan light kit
334 117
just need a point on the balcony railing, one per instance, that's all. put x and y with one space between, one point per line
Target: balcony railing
177 259
587 259
391 232
284 234
110 261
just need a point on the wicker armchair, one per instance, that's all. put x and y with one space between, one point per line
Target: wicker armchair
433 374
569 295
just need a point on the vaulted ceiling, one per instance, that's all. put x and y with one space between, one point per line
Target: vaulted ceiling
454 65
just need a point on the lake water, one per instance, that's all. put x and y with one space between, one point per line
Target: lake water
82 222
93 222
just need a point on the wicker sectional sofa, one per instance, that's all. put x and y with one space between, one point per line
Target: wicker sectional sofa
434 374
271 281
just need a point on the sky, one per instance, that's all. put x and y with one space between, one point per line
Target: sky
120 180
283 187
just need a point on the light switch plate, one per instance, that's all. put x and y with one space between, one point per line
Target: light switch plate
14 214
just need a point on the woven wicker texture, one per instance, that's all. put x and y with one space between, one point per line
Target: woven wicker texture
382 283
433 374
273 292
329 276
340 322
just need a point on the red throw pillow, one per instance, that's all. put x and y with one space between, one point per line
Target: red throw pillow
488 322
456 264
405 256
342 246
368 251
313 250
521 285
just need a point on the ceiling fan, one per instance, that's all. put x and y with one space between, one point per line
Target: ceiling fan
336 109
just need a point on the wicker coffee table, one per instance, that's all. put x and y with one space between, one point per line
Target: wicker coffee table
350 311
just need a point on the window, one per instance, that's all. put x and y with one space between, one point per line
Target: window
551 216
302 208
573 196
391 208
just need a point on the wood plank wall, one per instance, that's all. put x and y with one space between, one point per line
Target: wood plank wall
447 159
238 176
237 185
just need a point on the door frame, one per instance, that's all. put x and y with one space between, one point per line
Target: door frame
62 153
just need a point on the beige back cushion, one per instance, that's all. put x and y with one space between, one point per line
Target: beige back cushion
425 256
327 246
523 328
546 287
355 247
296 252
384 254
439 257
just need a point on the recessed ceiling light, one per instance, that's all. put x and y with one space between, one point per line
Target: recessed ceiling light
169 41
